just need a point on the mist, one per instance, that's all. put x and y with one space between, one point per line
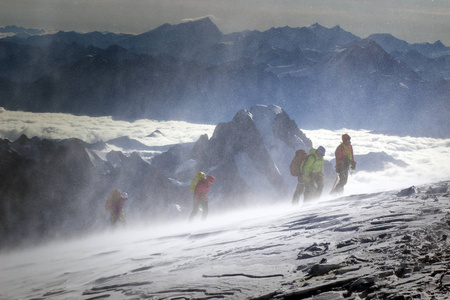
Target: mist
424 160
427 158
243 249
249 253
161 107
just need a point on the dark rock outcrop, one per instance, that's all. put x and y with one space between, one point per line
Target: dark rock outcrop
53 188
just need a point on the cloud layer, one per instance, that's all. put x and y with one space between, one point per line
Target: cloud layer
427 158
93 129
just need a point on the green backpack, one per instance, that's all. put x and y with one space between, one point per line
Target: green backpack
198 177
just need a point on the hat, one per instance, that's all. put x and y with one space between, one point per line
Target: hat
345 137
321 150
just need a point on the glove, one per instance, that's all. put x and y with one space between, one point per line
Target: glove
353 165
308 178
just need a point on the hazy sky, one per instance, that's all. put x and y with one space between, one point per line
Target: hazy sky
415 21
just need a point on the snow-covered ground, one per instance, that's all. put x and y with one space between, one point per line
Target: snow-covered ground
372 242
372 246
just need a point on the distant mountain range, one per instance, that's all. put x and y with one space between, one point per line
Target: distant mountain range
20 31
324 77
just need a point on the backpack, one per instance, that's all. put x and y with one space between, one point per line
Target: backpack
297 164
198 177
111 199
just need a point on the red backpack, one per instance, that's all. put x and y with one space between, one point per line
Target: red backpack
297 164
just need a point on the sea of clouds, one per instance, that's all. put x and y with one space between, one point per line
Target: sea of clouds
92 129
428 159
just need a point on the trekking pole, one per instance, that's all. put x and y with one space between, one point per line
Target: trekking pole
334 185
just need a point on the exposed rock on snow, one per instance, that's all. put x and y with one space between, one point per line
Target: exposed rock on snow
408 192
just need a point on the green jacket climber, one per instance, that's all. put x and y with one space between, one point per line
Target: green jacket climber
313 165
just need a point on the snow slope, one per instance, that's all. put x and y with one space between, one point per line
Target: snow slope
382 245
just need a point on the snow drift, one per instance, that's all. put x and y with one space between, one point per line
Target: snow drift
389 245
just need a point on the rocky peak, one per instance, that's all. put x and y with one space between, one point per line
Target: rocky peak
181 40
439 44
237 135
243 118
255 148
273 122
367 58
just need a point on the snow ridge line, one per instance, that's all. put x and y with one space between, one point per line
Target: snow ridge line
242 274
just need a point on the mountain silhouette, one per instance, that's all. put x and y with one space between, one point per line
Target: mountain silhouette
193 72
